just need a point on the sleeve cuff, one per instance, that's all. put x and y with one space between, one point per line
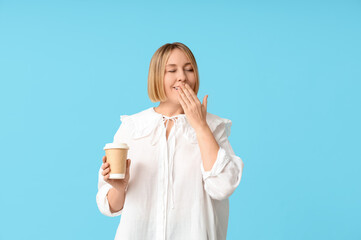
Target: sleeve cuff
103 203
219 164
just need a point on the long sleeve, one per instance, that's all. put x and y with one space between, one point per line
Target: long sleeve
225 175
103 187
101 198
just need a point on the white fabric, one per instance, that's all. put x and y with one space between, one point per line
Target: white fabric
170 195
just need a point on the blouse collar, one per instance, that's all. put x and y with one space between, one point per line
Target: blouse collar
182 115
151 122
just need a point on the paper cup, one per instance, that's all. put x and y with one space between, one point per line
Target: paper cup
117 154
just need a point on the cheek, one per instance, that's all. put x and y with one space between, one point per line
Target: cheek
169 90
192 79
167 84
193 84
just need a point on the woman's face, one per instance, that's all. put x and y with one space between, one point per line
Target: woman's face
178 70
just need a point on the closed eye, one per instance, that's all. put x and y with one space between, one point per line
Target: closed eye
189 70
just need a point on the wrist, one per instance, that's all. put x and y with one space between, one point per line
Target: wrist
121 189
201 129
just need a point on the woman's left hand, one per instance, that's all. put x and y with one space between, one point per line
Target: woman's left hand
196 112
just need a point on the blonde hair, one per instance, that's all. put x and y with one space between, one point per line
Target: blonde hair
156 91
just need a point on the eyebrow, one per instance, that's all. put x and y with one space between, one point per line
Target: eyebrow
170 65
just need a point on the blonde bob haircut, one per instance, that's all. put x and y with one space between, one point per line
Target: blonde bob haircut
156 91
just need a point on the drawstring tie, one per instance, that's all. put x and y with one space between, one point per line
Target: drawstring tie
171 151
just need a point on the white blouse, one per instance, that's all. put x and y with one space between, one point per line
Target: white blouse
170 195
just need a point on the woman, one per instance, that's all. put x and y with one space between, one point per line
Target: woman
183 166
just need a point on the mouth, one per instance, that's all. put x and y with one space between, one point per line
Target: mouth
176 87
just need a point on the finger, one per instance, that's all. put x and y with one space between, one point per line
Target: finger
191 93
183 95
106 177
105 165
104 159
186 96
205 101
184 105
186 101
106 171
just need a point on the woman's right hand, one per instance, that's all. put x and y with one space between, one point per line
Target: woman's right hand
119 184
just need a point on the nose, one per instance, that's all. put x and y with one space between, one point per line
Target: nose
181 77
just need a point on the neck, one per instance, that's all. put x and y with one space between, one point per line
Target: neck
169 109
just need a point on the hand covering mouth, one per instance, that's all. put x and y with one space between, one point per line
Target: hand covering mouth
176 87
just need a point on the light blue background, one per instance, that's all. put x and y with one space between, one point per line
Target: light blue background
286 73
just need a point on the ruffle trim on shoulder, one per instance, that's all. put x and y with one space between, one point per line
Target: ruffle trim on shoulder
222 124
217 125
140 128
123 118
